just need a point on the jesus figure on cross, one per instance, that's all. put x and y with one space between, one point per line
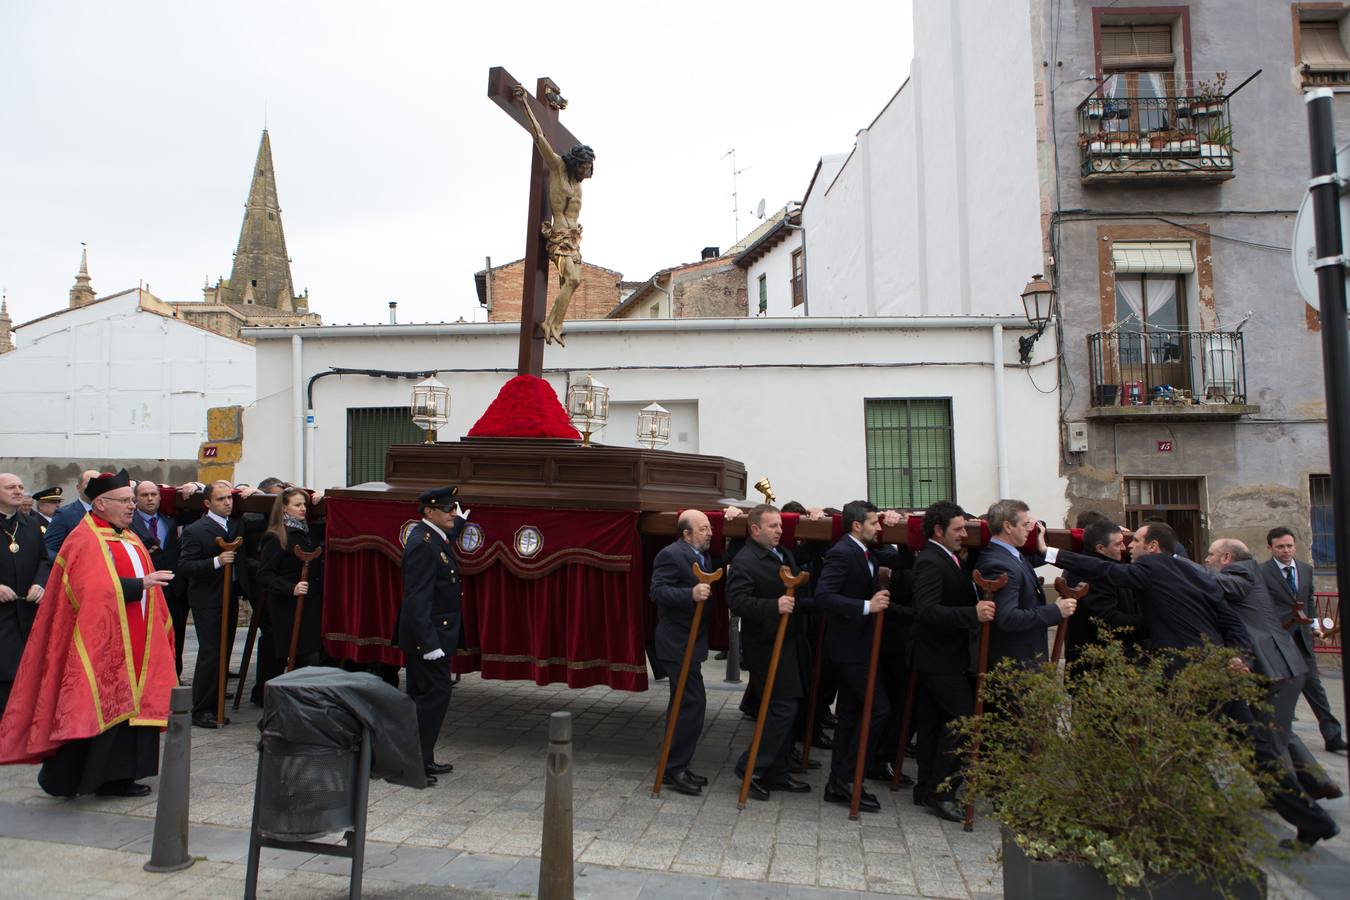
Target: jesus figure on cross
563 230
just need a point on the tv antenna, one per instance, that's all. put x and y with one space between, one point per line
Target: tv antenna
735 192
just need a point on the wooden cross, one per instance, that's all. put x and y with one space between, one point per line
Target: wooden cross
545 102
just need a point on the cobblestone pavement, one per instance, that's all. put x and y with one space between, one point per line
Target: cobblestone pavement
485 818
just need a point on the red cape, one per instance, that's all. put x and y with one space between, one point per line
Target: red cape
78 674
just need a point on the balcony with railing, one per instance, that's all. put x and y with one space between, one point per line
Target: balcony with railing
1158 139
1168 374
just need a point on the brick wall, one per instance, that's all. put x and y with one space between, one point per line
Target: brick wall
597 294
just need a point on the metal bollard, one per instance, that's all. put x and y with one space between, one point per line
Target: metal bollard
734 651
169 852
555 853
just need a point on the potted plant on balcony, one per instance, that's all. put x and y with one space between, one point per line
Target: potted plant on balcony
1094 143
1095 106
1129 142
1115 142
1209 96
1136 788
1157 141
1217 143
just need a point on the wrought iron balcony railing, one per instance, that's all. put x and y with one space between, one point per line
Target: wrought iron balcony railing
1167 368
1169 138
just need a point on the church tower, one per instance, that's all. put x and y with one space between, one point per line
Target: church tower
262 270
6 327
82 292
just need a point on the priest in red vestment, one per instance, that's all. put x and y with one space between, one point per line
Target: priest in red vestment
92 690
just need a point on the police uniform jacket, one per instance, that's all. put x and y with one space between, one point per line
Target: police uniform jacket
20 571
429 616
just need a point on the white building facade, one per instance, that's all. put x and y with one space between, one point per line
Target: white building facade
901 411
118 379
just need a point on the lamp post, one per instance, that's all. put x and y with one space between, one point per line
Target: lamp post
430 406
1038 301
588 407
653 426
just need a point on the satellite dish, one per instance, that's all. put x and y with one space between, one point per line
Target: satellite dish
759 210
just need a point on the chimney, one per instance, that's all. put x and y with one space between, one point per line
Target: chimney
393 312
711 253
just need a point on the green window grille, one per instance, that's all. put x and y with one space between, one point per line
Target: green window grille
909 452
371 430
763 293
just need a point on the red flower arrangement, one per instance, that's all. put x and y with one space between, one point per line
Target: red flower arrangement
526 407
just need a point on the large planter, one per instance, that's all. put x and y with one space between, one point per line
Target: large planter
1033 879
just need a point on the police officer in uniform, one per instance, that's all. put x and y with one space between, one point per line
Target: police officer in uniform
24 566
428 622
45 504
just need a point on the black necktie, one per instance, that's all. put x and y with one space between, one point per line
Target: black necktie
1289 577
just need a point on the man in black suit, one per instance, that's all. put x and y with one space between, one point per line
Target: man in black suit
159 533
24 567
1105 605
1183 606
1290 580
893 660
848 593
201 562
947 613
428 620
68 516
676 592
1022 618
1275 657
755 592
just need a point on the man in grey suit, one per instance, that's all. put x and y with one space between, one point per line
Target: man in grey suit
1290 581
1274 655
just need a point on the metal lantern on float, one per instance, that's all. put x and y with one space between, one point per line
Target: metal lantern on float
653 426
588 407
430 406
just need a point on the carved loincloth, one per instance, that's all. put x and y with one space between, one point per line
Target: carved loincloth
564 242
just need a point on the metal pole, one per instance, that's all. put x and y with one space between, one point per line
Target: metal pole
555 852
734 651
169 852
1331 267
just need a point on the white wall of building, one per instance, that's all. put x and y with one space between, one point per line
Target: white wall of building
784 396
937 209
114 381
776 267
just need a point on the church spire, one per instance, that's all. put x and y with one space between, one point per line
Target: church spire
262 269
82 292
6 327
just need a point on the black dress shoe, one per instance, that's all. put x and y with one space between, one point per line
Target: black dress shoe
795 757
435 768
791 785
758 789
885 772
431 780
682 784
1329 791
1305 841
823 741
1336 745
123 788
207 721
840 792
696 779
945 809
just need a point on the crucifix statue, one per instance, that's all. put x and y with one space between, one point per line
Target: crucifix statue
554 229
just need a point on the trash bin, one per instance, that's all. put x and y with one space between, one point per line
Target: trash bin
325 732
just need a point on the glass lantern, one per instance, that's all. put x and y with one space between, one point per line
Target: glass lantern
653 426
430 406
588 407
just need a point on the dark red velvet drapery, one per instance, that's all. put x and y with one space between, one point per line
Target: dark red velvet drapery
549 595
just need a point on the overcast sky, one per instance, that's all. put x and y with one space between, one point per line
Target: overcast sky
133 126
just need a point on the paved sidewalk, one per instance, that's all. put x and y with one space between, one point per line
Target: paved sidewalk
479 829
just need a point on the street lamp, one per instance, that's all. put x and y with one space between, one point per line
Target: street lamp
1038 300
653 426
588 407
430 406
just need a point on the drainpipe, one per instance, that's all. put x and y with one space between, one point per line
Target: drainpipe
670 298
1000 415
298 409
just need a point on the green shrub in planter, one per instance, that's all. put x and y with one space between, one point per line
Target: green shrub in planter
1132 771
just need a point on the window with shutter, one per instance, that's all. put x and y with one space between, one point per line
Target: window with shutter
370 433
1324 60
1138 47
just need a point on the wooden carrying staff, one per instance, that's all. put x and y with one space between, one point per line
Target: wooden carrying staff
790 582
905 721
864 726
813 696
254 619
1062 631
674 714
228 570
988 587
305 556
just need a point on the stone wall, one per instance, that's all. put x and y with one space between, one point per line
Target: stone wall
597 294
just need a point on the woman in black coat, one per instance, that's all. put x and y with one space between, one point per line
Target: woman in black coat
279 578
